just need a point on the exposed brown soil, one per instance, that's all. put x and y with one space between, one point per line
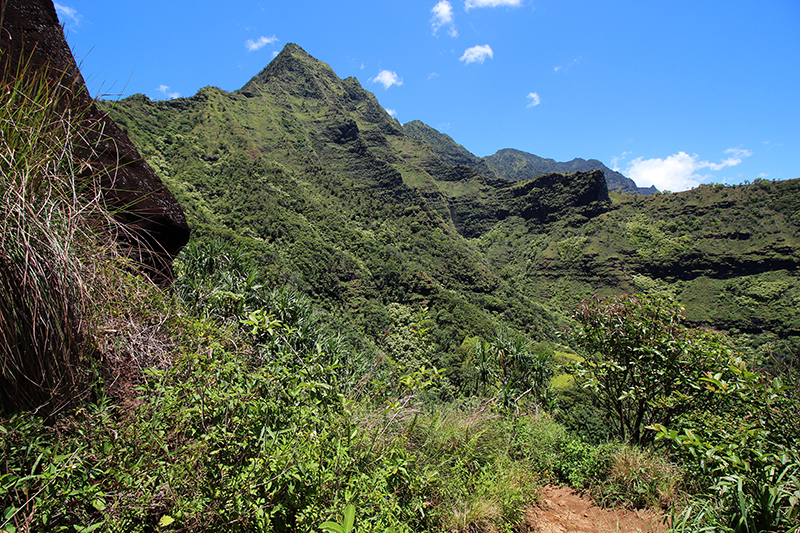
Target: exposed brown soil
562 510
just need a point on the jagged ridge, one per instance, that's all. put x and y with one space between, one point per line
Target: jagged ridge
316 180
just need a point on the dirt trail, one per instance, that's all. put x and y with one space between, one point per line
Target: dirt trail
562 510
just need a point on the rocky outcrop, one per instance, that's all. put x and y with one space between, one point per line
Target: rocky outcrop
541 200
31 33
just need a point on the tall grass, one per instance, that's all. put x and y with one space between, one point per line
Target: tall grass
57 240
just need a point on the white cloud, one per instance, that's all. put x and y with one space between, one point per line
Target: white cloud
164 89
443 16
616 160
477 54
262 41
680 171
534 100
469 4
562 68
68 12
387 79
738 154
392 112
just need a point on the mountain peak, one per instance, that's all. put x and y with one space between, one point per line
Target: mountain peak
295 78
292 64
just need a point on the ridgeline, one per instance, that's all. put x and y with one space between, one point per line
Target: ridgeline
325 191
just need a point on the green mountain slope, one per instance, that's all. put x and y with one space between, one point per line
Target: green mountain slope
729 254
326 192
309 175
449 151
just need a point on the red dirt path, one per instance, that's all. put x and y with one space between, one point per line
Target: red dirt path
562 510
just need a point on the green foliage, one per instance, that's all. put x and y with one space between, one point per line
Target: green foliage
641 362
571 248
512 367
651 242
746 448
582 465
347 522
214 280
252 430
217 443
581 412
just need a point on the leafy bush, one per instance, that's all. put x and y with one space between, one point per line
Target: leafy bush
580 412
216 443
641 362
745 449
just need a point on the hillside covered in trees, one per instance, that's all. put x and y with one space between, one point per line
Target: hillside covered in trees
323 190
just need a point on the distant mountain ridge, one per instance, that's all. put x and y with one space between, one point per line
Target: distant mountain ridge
518 165
515 164
448 150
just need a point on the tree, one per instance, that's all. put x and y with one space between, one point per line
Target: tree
514 367
642 364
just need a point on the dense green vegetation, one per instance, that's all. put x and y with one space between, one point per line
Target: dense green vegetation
729 254
362 337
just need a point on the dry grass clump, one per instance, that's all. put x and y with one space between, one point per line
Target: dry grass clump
59 259
642 478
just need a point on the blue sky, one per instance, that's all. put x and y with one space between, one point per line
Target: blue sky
670 93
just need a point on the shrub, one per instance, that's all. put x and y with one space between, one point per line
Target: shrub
641 362
745 449
638 477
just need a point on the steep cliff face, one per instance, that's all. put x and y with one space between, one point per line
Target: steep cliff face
449 151
540 201
32 34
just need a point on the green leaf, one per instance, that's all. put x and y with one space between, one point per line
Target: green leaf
349 517
332 527
165 520
89 529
